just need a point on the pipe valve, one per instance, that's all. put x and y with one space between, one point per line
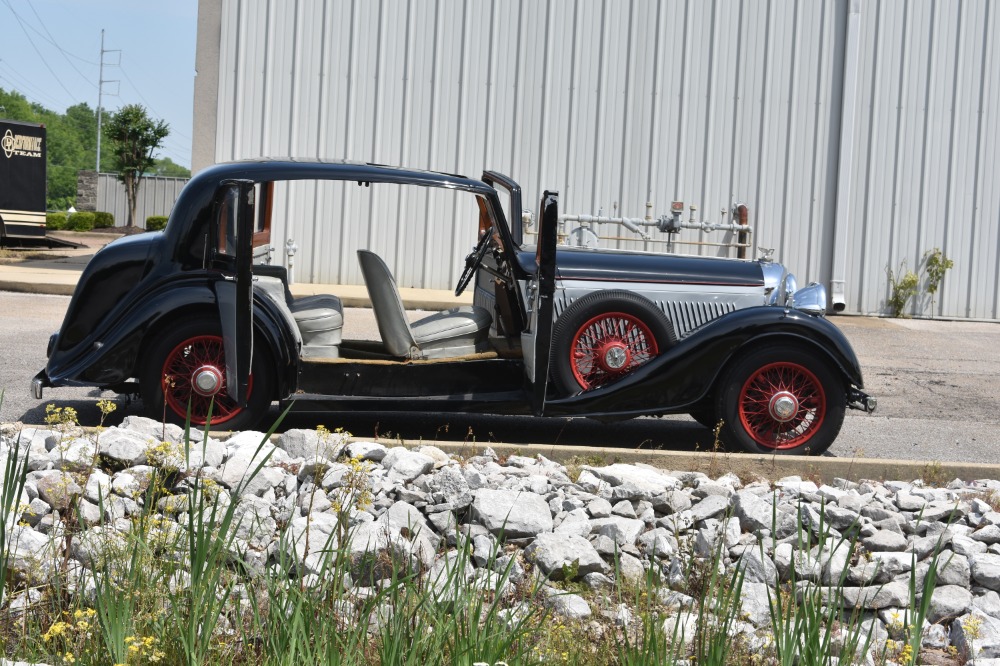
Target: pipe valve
291 247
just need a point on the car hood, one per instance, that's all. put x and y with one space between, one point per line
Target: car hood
574 263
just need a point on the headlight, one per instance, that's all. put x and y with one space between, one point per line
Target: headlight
772 281
788 287
811 299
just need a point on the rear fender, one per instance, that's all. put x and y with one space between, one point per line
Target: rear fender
682 377
110 354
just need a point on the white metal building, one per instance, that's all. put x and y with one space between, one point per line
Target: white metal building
861 133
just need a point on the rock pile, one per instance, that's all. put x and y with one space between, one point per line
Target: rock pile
870 543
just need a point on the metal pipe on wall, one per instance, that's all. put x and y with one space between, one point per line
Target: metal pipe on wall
842 219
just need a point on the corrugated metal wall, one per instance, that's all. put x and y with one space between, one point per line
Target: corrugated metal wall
925 172
615 103
156 197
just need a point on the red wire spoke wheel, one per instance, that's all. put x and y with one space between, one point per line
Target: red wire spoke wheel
781 398
603 336
608 346
187 364
782 405
195 371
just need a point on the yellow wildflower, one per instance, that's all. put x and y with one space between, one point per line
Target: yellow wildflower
57 629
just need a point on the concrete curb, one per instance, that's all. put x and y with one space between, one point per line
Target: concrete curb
37 288
747 466
822 469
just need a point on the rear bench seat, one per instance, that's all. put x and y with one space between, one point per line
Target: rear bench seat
317 321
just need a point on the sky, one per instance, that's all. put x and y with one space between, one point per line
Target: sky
50 53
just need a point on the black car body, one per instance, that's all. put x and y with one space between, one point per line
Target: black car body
190 320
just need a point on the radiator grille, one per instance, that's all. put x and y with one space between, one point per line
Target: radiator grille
689 315
560 303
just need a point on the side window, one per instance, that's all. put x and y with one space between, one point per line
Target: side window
486 222
227 223
504 195
228 209
262 223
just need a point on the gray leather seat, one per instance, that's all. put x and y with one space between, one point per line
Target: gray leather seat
318 320
456 332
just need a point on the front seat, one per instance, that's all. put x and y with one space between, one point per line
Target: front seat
456 332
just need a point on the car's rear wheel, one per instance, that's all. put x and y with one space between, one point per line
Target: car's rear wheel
186 369
604 336
781 400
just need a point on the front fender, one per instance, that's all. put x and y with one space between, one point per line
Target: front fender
680 378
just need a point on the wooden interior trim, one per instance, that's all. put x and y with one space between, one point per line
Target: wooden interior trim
263 237
481 356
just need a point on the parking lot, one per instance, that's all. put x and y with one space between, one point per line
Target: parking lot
936 383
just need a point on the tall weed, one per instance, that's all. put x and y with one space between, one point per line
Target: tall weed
806 619
15 471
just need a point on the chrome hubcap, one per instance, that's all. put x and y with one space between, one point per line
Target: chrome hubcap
206 380
616 357
783 406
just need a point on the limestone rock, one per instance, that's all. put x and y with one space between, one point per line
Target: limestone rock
557 554
513 513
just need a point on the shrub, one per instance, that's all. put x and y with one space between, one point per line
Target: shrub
903 285
156 222
55 221
936 264
103 220
80 221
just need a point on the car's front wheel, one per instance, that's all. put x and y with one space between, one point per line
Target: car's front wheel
186 370
780 399
706 417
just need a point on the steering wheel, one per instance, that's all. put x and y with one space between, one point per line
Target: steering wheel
472 261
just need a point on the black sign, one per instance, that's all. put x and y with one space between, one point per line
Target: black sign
22 178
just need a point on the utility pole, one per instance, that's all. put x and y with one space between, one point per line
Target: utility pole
100 92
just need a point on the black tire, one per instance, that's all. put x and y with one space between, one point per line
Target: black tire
814 402
173 350
599 331
706 417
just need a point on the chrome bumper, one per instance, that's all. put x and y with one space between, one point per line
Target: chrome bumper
860 400
37 384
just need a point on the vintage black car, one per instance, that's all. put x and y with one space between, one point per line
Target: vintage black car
194 319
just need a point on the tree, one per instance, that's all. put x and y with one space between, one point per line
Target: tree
134 137
167 168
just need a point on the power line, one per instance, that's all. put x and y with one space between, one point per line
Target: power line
51 40
145 101
17 89
20 84
33 46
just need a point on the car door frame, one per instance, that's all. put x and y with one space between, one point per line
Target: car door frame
234 292
536 340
